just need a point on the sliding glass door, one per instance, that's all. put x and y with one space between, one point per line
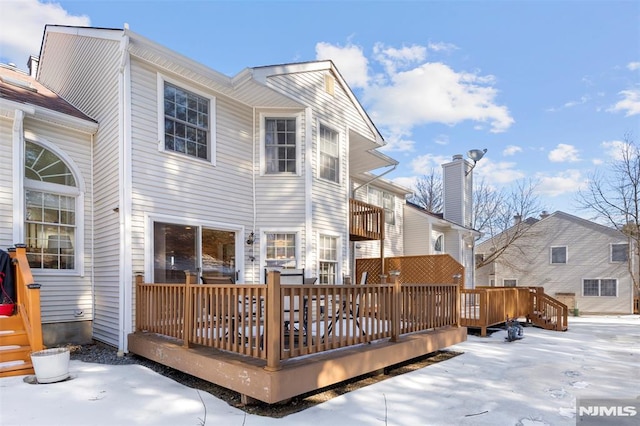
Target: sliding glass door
178 248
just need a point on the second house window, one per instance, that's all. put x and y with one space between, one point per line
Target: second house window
280 145
186 122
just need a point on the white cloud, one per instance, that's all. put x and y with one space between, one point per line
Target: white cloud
409 92
564 153
511 150
565 182
442 47
22 26
349 60
632 66
423 164
497 174
614 149
630 104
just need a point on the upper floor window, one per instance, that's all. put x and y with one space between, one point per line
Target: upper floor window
385 200
329 154
280 145
281 249
438 242
186 122
328 256
50 210
559 255
619 252
600 287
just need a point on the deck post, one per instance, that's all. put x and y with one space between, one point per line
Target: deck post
274 321
397 302
188 307
139 281
484 308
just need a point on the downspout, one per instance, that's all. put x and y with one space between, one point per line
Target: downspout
353 193
125 205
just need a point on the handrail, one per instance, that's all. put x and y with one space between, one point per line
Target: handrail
366 221
248 318
28 296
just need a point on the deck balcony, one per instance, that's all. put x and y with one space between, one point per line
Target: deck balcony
366 221
273 342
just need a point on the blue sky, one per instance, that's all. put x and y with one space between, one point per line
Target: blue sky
550 88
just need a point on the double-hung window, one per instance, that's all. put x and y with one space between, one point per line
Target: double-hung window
329 154
280 145
51 210
328 254
600 287
385 200
281 249
558 255
619 252
186 122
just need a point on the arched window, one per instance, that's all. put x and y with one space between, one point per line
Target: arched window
51 195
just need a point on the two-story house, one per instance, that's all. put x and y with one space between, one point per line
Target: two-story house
579 262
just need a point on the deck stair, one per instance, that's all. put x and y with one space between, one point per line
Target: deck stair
14 347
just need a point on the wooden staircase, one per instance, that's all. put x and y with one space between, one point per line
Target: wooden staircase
14 347
547 312
21 333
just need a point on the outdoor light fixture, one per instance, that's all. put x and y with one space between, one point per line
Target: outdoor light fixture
251 238
475 155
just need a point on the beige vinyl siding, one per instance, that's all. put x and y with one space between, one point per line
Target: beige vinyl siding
6 188
588 248
85 73
63 294
417 238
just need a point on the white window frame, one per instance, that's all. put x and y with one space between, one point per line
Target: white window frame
299 137
504 282
263 246
435 236
338 260
599 280
161 80
321 152
566 255
379 195
611 252
78 192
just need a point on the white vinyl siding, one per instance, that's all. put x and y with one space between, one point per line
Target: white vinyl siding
6 190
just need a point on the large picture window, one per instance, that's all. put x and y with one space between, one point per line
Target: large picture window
186 122
50 210
329 154
280 145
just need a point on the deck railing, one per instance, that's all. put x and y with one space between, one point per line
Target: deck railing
366 221
252 319
28 296
484 307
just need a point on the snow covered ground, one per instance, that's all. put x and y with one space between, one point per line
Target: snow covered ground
530 382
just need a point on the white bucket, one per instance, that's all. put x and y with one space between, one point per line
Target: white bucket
51 365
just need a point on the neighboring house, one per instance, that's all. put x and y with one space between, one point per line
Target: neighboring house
579 262
413 231
188 170
46 198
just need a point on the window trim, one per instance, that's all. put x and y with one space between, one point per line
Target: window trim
263 116
320 152
600 287
566 255
78 192
435 235
510 279
161 80
339 256
382 192
611 260
263 246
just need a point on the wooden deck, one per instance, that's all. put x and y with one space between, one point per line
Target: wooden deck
277 341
